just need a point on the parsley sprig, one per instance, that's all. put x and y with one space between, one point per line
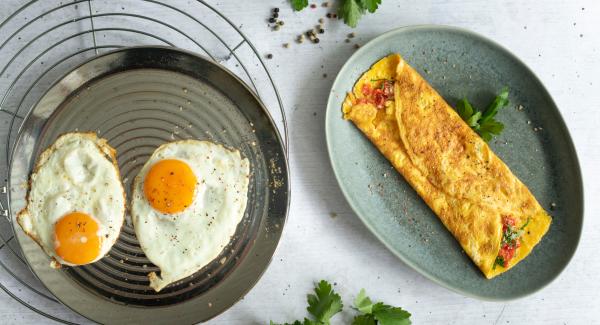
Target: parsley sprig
483 122
326 303
349 10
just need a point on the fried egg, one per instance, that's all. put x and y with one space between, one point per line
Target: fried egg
76 202
187 202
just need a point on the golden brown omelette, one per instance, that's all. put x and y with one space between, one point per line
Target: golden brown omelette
483 204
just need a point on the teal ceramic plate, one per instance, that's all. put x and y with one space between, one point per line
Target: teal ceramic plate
460 63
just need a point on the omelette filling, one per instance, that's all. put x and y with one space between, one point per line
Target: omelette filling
511 240
378 95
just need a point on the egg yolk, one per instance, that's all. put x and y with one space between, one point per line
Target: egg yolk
169 186
76 238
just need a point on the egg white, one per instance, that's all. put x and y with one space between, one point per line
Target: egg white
78 173
182 243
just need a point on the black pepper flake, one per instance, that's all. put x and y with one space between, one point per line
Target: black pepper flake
328 15
272 20
275 15
313 6
275 9
269 56
316 40
321 31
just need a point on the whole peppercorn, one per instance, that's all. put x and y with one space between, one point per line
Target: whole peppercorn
272 20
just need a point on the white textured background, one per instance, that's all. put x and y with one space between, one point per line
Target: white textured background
559 40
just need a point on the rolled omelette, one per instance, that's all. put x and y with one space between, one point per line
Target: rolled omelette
491 213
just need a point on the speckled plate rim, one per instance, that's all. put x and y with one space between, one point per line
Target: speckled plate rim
333 110
19 234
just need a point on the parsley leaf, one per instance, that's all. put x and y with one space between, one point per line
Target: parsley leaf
324 303
305 322
499 102
351 11
363 303
370 5
499 261
486 129
378 313
464 109
367 319
483 122
388 315
473 121
299 4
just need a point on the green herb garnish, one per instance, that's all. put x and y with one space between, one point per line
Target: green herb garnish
378 313
350 10
326 303
322 305
299 4
382 79
499 261
526 223
483 122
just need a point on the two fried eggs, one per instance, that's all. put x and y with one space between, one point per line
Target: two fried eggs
186 203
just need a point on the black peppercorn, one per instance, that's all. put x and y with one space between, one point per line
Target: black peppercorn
275 9
316 40
271 20
321 31
269 56
275 15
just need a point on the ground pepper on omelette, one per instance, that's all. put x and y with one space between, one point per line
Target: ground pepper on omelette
491 213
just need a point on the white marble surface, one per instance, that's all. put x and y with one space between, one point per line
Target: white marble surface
559 40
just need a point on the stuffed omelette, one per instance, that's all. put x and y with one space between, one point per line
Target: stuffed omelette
491 213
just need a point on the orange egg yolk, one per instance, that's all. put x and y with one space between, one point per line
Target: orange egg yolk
76 238
169 186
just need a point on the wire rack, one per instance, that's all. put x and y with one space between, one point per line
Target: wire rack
42 39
